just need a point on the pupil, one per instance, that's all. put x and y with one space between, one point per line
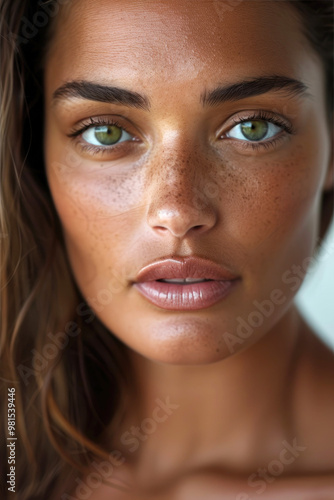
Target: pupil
254 130
108 134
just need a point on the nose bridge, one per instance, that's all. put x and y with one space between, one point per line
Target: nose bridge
178 181
178 185
178 166
180 169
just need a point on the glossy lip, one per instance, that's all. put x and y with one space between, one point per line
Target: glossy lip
189 296
182 268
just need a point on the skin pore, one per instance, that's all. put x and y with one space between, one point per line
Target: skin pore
182 181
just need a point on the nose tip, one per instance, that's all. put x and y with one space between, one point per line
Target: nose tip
180 197
179 221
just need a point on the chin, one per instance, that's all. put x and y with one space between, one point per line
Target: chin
191 342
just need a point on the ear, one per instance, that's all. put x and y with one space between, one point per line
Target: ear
329 179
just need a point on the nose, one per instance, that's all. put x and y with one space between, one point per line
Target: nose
182 196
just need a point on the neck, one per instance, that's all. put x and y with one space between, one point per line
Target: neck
222 411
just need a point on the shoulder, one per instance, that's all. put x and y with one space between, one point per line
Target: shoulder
212 486
296 487
94 486
313 404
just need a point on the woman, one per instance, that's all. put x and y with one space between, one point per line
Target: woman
167 176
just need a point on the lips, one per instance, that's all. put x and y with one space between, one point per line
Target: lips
213 283
182 268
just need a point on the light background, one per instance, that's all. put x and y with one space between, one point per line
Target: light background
316 296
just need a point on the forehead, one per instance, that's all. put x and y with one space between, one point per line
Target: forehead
168 41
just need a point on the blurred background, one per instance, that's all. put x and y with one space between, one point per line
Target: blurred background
315 298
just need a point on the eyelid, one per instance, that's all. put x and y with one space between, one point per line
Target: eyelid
97 121
237 119
89 136
76 135
241 137
259 115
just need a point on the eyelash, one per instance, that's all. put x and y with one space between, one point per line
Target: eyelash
263 116
256 116
94 122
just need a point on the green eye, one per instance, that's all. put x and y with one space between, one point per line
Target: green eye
254 130
108 134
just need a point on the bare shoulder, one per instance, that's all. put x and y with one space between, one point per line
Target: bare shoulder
94 488
213 486
313 403
303 487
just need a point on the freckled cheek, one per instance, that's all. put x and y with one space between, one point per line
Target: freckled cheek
298 190
269 209
284 196
92 191
98 208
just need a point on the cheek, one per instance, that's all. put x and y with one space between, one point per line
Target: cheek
276 199
277 221
99 211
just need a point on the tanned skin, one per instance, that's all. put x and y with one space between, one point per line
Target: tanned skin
182 181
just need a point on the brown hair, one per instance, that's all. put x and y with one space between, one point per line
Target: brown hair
317 20
61 360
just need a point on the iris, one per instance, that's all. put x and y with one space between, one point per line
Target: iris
108 134
254 130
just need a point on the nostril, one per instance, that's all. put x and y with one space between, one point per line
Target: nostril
179 221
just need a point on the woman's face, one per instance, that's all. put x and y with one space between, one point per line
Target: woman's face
234 175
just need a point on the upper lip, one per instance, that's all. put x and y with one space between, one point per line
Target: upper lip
184 267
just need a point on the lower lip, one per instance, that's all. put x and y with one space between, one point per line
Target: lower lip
188 297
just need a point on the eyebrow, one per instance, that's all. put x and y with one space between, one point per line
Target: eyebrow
233 92
102 93
254 87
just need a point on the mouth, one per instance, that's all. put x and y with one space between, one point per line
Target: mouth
176 281
182 284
